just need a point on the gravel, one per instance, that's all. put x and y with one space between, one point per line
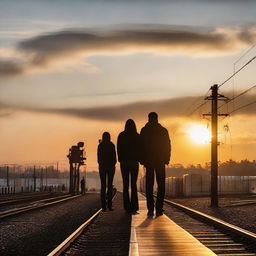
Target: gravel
108 235
39 232
241 216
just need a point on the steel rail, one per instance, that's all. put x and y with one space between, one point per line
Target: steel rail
30 199
215 221
33 207
70 239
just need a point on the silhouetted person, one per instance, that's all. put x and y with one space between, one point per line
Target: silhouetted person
128 156
155 154
82 186
107 162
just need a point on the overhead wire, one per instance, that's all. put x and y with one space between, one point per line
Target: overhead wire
237 96
245 53
236 72
201 105
246 105
230 77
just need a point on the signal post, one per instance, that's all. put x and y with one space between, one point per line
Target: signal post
76 159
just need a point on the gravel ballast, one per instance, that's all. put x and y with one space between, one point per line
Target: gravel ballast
242 216
40 231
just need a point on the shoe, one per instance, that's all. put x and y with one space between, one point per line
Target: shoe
159 213
150 213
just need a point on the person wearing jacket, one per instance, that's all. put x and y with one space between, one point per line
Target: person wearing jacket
155 154
107 160
128 156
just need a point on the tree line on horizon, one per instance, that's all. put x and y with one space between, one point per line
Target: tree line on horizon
227 168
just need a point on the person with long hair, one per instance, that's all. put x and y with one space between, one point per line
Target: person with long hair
107 161
128 156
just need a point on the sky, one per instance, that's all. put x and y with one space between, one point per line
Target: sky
70 70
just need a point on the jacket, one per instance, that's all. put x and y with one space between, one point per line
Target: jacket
128 146
155 145
106 154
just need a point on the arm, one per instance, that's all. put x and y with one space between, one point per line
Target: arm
99 154
120 147
142 146
114 154
167 146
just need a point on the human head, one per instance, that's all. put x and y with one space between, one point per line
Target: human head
105 137
130 126
153 117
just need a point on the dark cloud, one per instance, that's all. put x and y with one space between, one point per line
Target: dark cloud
175 107
10 68
49 48
139 110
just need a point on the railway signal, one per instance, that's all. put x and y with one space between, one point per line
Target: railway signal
76 159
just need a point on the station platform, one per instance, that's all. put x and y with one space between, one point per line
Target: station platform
161 236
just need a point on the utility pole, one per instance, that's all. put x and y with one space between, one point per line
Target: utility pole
46 177
71 176
215 97
214 148
14 179
34 176
7 176
41 181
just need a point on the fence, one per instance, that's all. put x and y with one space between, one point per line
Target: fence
200 185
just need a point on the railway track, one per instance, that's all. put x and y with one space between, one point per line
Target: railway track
36 205
104 233
27 198
222 238
70 239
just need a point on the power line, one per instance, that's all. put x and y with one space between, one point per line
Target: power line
240 69
192 112
234 73
201 105
245 53
237 96
242 107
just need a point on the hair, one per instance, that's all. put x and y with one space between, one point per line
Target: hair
130 126
152 116
106 136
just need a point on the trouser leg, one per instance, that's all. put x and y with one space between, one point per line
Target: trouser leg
103 188
149 188
125 176
160 178
111 173
134 195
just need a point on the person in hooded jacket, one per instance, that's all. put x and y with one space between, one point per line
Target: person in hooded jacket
155 154
107 160
128 156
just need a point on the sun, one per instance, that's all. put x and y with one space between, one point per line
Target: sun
199 134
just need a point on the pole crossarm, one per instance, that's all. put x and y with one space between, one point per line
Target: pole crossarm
209 114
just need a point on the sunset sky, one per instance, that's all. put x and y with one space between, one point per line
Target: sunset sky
70 70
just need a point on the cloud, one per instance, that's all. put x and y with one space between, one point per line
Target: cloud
50 51
168 108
